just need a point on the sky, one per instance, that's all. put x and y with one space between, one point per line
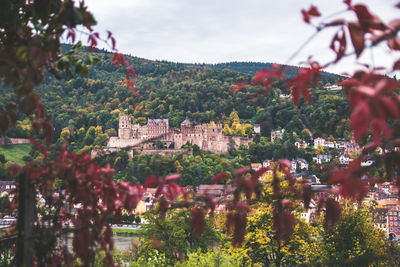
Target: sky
214 31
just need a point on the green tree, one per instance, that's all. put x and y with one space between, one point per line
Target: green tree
174 232
355 238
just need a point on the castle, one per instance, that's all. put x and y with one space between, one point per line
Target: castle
206 136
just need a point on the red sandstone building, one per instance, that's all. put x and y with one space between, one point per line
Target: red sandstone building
206 136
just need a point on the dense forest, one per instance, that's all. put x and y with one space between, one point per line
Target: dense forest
85 111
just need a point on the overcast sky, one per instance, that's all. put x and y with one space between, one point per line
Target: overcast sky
212 31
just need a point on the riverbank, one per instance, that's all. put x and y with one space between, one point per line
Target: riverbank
126 232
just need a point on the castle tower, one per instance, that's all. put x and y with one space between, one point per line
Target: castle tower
125 126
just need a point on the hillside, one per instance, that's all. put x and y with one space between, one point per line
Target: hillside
176 91
253 67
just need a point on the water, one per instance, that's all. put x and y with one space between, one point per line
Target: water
123 242
120 242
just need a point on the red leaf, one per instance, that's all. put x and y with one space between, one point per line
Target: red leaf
198 221
311 12
210 203
379 126
132 71
257 174
174 190
239 221
353 188
242 171
357 37
172 177
338 44
306 195
155 243
71 35
109 34
348 3
333 213
38 146
150 180
335 22
396 65
113 43
285 162
238 86
218 177
13 170
390 105
260 76
284 224
367 20
287 203
394 43
304 79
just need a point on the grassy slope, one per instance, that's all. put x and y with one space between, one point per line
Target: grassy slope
15 153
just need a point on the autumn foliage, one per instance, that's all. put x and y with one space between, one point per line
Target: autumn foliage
80 193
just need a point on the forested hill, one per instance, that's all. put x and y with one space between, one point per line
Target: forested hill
176 91
253 67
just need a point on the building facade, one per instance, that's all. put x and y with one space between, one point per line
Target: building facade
207 136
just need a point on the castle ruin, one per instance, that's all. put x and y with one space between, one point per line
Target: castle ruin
207 136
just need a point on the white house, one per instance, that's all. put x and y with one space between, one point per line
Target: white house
345 159
319 141
323 158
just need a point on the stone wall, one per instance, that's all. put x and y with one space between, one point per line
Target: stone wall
117 142
164 152
13 141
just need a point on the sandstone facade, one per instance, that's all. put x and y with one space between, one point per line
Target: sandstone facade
207 136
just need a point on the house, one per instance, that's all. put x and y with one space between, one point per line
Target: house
267 163
323 158
367 163
215 190
329 144
300 143
380 218
345 159
393 223
333 87
300 163
319 142
340 145
278 134
307 177
7 186
256 166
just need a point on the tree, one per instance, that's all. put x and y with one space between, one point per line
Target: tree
175 234
320 150
30 33
2 158
355 237
262 247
